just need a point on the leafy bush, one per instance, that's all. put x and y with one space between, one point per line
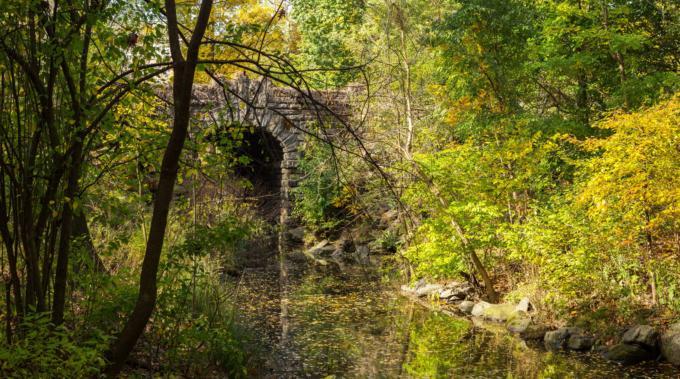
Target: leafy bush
389 241
192 329
469 186
194 320
318 198
438 252
556 242
227 235
45 351
595 219
194 325
608 241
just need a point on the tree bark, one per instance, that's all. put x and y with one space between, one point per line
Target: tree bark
61 273
82 231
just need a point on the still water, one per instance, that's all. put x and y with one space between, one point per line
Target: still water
310 323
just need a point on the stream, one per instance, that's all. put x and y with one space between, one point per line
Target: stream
306 322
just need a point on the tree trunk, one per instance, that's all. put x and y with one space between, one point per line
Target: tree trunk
82 231
61 273
479 267
10 247
582 99
469 249
183 80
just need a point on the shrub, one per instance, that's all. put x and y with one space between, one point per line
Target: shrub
45 351
318 196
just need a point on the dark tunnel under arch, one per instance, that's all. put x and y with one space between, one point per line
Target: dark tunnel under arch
264 171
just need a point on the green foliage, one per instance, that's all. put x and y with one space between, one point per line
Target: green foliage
542 135
389 241
608 46
543 158
632 183
621 217
325 29
484 45
555 241
45 351
226 235
484 187
195 321
193 326
318 196
439 253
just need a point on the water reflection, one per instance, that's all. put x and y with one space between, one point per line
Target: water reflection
348 324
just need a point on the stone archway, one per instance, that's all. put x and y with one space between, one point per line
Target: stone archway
284 113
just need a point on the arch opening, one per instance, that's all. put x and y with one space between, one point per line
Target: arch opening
262 169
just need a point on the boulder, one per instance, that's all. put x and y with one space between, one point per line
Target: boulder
421 288
428 289
446 294
556 339
479 308
559 339
534 332
643 335
524 305
296 234
459 290
580 342
499 312
413 288
670 344
452 294
495 312
466 306
628 354
518 324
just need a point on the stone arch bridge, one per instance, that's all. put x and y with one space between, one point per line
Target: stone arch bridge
284 115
